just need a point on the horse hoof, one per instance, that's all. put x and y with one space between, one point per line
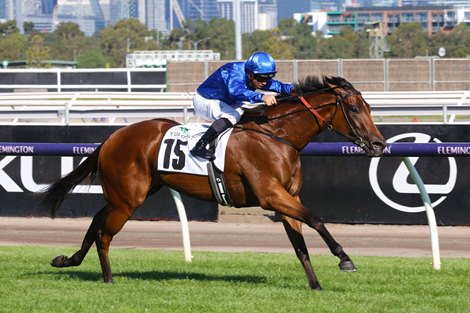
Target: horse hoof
347 266
59 261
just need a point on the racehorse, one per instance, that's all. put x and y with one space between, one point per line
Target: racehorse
126 163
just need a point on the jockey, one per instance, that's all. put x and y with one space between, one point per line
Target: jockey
220 97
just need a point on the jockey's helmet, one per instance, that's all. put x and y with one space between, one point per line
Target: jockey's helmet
261 63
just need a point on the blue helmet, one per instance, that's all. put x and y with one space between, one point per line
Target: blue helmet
260 63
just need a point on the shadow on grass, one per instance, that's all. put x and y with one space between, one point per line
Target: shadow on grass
159 276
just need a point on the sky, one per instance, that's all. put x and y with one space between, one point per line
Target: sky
287 8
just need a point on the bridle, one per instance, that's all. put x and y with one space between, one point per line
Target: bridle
352 135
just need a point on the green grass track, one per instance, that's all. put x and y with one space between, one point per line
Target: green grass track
160 281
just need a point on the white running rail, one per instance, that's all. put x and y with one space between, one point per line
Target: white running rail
121 108
79 108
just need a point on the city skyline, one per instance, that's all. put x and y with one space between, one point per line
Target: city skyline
93 15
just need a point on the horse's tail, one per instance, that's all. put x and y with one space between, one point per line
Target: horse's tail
56 193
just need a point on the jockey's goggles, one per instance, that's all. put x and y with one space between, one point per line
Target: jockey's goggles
264 77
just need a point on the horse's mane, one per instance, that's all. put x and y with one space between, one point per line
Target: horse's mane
313 83
310 83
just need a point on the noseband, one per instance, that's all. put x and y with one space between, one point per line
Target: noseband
352 135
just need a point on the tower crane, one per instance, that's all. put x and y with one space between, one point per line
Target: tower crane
176 9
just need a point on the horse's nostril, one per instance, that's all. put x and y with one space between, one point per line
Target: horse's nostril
379 144
377 147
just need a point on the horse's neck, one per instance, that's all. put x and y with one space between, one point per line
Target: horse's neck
289 121
299 127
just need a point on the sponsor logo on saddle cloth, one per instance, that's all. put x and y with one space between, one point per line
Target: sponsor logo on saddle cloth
174 155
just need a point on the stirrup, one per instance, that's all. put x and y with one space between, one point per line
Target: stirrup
202 152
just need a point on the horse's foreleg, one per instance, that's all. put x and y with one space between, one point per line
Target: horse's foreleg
289 205
345 264
90 237
294 232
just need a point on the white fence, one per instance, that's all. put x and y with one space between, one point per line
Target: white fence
121 108
79 80
448 107
79 108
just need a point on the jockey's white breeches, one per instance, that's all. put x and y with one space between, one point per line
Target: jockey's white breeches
212 109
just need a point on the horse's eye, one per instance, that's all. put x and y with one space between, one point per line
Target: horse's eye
354 109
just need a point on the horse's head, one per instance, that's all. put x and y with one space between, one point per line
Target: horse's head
348 114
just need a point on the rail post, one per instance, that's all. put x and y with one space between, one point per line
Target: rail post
184 225
436 258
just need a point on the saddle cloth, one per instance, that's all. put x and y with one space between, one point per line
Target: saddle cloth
174 155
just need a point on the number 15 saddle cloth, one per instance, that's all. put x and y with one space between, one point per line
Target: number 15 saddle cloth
174 155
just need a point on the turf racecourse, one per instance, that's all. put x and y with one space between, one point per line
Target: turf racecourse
148 280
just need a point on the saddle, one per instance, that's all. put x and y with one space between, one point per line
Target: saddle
216 176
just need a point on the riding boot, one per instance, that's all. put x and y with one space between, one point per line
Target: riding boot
200 149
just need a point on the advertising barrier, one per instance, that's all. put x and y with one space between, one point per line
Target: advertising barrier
22 176
339 189
380 190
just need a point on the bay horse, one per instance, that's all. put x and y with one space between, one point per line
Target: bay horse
126 163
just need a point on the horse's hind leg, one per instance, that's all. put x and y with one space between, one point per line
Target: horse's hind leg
294 232
104 226
112 224
90 237
123 199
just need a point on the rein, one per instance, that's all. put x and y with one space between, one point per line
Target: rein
282 140
353 136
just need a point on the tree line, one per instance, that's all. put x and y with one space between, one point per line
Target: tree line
290 40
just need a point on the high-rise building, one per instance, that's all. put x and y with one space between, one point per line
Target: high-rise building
267 14
32 7
331 5
141 11
3 10
86 13
16 13
155 15
133 8
118 10
201 9
33 11
12 10
432 19
248 13
122 9
7 10
381 3
48 6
